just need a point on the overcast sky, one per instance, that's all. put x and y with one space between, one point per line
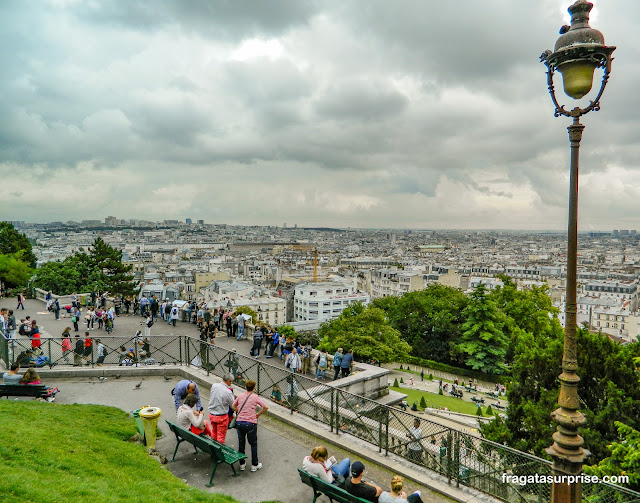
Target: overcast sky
368 113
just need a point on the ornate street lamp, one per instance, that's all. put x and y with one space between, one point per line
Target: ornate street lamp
578 52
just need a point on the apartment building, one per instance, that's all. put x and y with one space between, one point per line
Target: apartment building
318 301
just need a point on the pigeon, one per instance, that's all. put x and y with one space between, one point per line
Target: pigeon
118 376
167 378
102 378
137 386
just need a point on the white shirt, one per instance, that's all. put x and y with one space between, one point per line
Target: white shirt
416 434
186 417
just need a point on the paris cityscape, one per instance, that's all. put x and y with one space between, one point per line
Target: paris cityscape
344 250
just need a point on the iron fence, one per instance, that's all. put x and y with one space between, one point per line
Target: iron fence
462 458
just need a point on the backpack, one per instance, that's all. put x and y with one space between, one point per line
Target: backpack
150 324
323 361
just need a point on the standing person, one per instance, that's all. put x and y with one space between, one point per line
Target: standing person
136 304
88 347
247 422
293 362
20 301
306 358
12 327
90 318
74 299
240 323
36 342
127 305
175 314
167 311
220 402
415 447
356 486
322 362
148 323
228 324
78 351
102 353
66 344
275 340
337 361
257 342
75 318
154 308
56 309
397 495
199 316
117 304
216 318
184 388
347 361
422 377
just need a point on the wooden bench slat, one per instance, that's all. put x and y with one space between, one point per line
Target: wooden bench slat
35 390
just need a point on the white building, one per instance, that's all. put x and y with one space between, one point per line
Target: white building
320 301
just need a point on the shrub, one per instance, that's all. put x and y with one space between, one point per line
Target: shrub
489 411
401 367
440 392
431 377
479 412
402 380
395 383
423 402
414 407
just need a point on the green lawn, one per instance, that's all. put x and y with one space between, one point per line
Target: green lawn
435 400
55 452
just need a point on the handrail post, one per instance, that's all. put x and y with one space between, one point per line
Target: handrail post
49 351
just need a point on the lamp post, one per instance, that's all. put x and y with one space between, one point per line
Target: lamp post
578 52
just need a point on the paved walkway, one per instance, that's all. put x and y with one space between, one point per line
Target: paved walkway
281 446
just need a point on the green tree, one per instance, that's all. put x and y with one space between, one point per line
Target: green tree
99 269
105 269
367 332
608 391
430 320
484 344
624 458
286 331
15 243
14 272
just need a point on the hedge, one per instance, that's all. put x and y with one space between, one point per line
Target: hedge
462 372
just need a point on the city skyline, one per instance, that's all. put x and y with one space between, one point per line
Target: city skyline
409 115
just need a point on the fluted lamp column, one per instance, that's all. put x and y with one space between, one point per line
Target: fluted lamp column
578 52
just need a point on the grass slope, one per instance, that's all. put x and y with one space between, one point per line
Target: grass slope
54 453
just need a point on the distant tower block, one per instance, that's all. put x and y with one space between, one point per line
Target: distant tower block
188 221
200 222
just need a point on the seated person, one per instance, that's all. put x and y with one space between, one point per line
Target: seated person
31 377
276 394
356 486
26 359
124 358
320 465
145 351
397 495
12 377
190 419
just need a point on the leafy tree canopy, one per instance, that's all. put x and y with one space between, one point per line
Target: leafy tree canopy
14 272
100 269
484 343
249 311
430 320
365 330
15 243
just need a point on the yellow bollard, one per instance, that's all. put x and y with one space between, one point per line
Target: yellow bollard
150 416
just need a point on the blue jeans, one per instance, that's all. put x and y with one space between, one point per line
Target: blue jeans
248 431
342 468
240 331
320 372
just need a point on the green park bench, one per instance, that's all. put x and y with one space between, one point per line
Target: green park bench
34 390
333 492
219 453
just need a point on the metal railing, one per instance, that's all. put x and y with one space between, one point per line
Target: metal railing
462 458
